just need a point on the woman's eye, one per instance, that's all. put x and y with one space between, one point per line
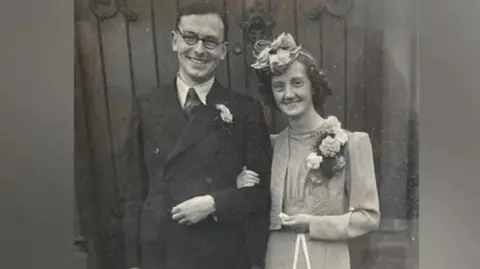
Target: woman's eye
277 86
297 83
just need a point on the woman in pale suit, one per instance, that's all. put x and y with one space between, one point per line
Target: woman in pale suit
323 184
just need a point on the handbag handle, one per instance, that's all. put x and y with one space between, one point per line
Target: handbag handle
301 240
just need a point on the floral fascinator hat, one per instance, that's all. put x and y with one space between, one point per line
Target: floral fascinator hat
276 55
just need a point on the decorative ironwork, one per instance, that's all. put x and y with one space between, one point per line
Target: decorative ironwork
107 9
103 9
316 12
81 242
238 49
258 23
128 14
102 2
339 8
336 8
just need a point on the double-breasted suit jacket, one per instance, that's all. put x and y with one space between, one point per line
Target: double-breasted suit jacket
169 159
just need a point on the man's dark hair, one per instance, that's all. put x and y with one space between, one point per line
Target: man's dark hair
202 8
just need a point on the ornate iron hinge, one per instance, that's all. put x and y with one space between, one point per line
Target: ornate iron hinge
336 8
107 9
258 23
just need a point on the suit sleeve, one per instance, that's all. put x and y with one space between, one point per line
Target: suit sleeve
131 160
251 205
363 215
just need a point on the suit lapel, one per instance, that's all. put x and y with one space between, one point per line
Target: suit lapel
200 124
217 95
172 119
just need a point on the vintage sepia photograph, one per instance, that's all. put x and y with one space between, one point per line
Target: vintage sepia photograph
246 134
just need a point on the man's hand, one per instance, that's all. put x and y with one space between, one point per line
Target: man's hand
193 210
247 178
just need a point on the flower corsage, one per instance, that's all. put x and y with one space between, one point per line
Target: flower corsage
225 119
225 113
328 153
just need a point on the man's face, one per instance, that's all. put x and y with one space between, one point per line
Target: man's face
197 61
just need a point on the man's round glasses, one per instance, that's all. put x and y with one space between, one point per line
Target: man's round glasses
193 38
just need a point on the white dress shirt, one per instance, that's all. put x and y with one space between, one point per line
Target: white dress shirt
201 89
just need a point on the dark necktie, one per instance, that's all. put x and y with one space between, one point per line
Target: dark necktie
191 101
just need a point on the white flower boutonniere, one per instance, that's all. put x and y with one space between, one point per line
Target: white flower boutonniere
225 113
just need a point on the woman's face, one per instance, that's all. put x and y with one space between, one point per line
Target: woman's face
292 91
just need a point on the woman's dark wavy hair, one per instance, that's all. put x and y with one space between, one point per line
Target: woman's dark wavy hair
320 85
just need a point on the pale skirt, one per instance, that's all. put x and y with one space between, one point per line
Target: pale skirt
322 254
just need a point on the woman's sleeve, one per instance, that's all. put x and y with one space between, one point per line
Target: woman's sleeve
363 215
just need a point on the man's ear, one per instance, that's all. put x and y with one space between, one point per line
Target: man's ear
224 50
174 41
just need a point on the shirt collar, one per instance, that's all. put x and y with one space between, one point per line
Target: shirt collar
202 90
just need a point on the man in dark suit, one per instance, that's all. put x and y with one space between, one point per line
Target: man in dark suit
188 142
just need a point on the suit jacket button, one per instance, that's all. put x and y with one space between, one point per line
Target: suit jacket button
208 180
167 178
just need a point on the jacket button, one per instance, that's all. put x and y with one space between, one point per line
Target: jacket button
147 205
167 178
208 180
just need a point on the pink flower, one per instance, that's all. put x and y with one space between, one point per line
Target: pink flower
275 55
341 136
314 160
262 59
329 147
331 125
284 41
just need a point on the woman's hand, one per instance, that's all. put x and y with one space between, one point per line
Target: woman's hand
298 223
247 178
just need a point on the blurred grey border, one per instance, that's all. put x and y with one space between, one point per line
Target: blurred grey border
36 134
36 137
449 133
